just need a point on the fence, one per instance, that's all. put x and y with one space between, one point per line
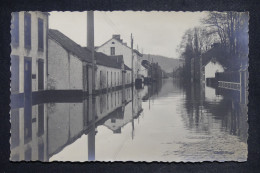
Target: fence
233 76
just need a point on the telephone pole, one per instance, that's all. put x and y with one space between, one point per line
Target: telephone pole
90 44
132 42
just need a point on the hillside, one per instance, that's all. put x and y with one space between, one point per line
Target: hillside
167 64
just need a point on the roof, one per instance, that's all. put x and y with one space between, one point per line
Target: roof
83 53
109 61
120 41
138 53
127 68
70 45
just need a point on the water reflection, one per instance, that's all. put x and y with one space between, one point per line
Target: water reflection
167 121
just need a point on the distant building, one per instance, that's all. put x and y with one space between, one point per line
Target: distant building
211 68
70 66
29 31
116 46
144 69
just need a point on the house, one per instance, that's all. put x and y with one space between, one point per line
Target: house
116 46
29 52
70 67
211 67
29 78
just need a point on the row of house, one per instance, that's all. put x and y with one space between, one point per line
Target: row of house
45 59
56 125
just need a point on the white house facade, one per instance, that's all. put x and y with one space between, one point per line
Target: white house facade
29 51
211 68
70 66
29 32
116 46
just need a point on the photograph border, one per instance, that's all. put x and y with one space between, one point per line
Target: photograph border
251 165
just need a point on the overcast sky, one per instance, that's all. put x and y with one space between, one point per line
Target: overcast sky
154 32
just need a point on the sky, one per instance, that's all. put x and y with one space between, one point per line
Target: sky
154 32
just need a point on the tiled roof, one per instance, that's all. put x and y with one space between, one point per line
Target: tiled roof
70 45
109 61
120 41
83 53
127 68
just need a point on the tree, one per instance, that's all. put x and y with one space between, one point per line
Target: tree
231 29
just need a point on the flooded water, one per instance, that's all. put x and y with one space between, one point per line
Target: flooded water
161 122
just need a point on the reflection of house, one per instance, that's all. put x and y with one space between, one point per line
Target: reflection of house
29 134
70 66
69 121
28 58
116 46
131 110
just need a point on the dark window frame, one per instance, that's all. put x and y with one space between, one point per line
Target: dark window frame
15 29
27 30
40 83
112 51
15 74
40 120
40 34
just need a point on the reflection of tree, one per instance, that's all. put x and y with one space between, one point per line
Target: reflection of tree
153 89
201 113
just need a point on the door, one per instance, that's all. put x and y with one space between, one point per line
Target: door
27 99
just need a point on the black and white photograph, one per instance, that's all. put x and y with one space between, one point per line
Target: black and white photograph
137 86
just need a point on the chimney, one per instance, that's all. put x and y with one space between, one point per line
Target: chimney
116 36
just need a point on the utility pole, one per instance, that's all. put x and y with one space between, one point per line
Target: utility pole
132 42
90 44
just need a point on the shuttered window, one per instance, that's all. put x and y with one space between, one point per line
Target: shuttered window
14 74
40 74
15 29
27 30
40 35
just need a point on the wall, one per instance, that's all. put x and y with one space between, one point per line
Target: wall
65 122
37 143
107 80
65 69
143 72
34 53
211 68
121 49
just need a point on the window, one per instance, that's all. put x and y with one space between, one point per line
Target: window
111 79
100 79
27 30
115 98
28 154
14 74
15 128
40 74
107 78
41 152
15 29
40 119
115 78
112 51
40 35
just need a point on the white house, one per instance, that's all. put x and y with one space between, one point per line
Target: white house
70 66
211 68
67 63
29 51
28 69
116 46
